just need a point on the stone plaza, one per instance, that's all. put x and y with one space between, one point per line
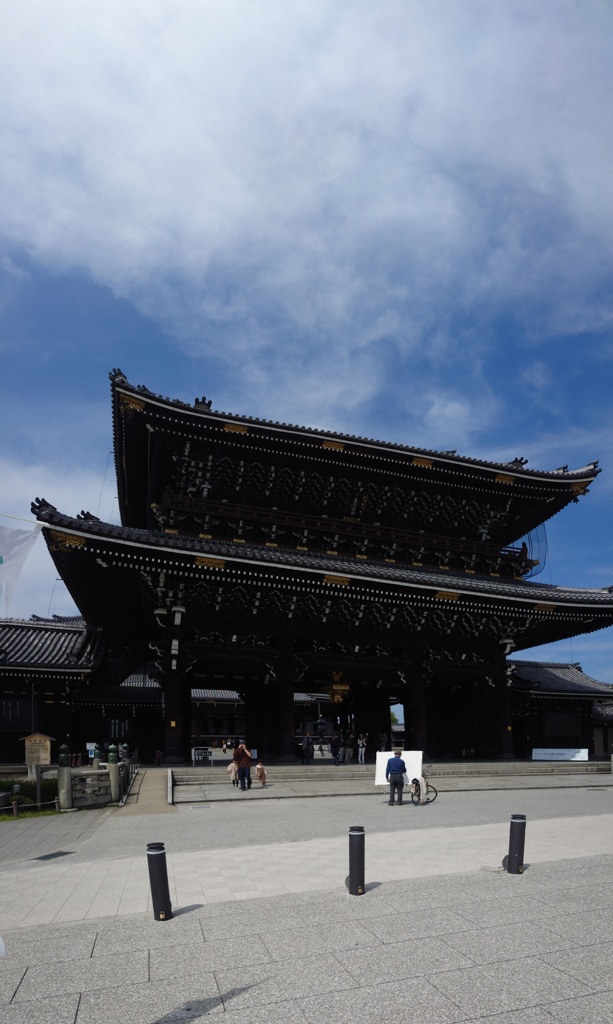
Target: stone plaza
263 927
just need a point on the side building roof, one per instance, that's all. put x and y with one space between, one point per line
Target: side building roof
48 647
557 678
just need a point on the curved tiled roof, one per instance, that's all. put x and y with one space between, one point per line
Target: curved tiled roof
140 680
69 620
201 409
234 697
368 570
44 644
557 677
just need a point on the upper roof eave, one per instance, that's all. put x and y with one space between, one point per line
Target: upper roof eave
585 474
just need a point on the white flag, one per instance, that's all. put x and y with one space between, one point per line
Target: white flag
15 546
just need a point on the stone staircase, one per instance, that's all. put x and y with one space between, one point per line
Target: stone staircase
328 772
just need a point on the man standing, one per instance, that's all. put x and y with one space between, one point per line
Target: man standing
394 772
307 749
341 748
242 759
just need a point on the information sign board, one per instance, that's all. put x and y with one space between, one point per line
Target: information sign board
38 749
559 754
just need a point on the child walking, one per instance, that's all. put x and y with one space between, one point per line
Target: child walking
260 773
232 771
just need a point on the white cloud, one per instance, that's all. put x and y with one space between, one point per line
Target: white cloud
333 174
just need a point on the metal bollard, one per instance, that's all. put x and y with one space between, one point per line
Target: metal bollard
357 845
517 838
158 879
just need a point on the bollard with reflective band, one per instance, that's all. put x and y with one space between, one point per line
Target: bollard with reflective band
357 845
517 839
158 879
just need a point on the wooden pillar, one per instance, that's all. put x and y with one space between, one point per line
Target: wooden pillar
285 716
278 705
257 717
361 699
177 692
380 716
417 689
177 718
505 721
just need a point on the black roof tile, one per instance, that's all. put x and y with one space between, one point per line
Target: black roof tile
369 570
44 644
558 677
515 466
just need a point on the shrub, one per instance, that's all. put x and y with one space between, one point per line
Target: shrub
27 790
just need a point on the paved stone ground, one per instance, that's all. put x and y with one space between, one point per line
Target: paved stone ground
264 929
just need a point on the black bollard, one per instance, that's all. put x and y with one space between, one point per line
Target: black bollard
357 846
517 839
158 879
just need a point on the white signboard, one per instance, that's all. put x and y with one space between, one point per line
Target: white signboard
559 754
412 759
38 749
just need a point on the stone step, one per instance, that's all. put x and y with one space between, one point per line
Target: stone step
305 773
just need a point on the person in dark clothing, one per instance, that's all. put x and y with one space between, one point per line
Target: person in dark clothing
394 772
242 759
307 749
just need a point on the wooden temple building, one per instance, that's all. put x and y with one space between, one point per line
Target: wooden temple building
267 560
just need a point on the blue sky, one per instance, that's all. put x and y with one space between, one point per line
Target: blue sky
388 219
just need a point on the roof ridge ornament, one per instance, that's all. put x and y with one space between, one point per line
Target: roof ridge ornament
41 508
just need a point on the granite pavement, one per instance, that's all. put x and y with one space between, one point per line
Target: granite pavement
264 929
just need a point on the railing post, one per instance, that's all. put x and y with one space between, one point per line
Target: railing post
64 787
114 781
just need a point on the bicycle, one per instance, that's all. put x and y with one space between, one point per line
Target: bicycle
431 791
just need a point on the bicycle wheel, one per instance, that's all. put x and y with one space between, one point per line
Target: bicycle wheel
431 793
415 794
